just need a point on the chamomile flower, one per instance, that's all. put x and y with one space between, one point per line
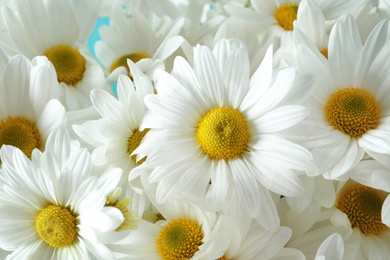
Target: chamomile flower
349 104
184 231
116 134
134 38
54 211
28 110
59 30
218 125
357 217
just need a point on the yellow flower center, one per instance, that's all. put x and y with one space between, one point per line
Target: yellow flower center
56 226
353 111
69 63
20 132
223 133
363 206
123 205
324 52
179 239
286 14
122 61
134 141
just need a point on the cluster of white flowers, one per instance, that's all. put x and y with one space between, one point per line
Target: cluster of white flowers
210 130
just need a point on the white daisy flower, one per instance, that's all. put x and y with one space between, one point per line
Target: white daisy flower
116 134
219 125
357 217
134 38
279 15
184 231
349 105
59 30
53 213
28 112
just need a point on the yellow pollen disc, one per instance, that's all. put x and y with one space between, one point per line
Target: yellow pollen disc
286 14
56 226
20 132
123 205
363 206
324 52
179 239
134 141
353 111
223 133
69 63
122 61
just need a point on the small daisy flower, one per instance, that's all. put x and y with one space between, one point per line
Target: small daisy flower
116 134
349 104
53 213
184 231
28 112
135 39
218 125
59 30
357 217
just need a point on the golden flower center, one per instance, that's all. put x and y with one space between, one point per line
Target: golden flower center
286 14
122 61
179 239
123 205
363 206
20 132
69 63
223 133
324 52
353 111
56 226
134 141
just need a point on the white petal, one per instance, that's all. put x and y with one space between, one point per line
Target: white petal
386 212
281 118
376 140
332 248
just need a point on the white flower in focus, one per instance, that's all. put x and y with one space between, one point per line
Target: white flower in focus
349 105
219 125
116 134
59 30
28 112
53 213
184 231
